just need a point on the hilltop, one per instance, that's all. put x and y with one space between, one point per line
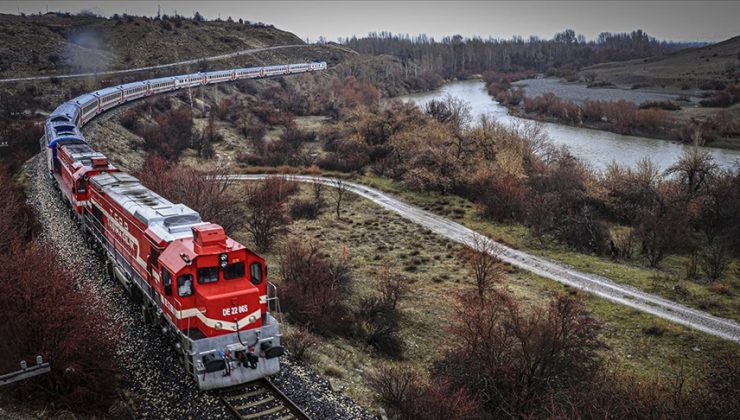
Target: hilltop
58 43
689 68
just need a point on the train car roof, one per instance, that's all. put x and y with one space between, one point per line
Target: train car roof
57 129
67 110
107 90
161 79
82 152
66 139
218 72
55 125
85 98
184 76
132 85
165 219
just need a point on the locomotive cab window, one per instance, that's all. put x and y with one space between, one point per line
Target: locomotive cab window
81 186
234 271
167 282
255 273
207 275
185 285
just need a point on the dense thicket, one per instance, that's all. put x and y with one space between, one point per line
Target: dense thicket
45 311
457 56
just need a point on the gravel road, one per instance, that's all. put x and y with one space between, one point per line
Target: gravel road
595 284
154 380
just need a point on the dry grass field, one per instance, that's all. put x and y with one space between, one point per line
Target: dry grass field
687 69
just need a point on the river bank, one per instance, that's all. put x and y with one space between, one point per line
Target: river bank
597 147
730 143
662 114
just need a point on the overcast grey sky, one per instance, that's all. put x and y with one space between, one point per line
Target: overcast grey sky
670 20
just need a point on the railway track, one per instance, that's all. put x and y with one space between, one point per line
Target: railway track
261 400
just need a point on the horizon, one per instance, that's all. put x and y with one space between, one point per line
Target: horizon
684 22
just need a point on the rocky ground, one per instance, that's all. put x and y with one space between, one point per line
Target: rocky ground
155 385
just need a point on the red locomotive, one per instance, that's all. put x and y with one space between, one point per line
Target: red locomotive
206 291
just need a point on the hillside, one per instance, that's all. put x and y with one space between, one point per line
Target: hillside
58 44
691 68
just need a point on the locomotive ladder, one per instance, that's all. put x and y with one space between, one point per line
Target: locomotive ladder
261 400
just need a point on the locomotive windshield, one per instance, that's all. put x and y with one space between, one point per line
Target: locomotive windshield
207 275
234 271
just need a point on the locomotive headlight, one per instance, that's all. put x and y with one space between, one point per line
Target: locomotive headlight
252 319
218 325
224 258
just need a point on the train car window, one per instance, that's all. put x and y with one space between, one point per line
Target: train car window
81 186
207 275
234 271
167 282
185 285
255 273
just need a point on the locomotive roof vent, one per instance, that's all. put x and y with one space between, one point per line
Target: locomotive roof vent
209 235
99 162
182 219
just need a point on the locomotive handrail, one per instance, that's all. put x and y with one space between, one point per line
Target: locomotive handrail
275 300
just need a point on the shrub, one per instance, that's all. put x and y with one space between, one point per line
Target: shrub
621 114
558 205
74 337
663 228
172 133
664 105
653 120
129 118
304 209
408 395
311 287
22 139
17 220
514 361
377 324
299 341
721 99
265 201
502 197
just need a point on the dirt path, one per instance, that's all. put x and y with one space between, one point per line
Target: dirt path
597 285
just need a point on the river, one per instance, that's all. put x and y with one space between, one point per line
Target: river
596 147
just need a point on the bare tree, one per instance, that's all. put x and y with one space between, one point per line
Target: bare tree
339 194
482 258
216 201
695 169
317 191
393 287
266 218
716 258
